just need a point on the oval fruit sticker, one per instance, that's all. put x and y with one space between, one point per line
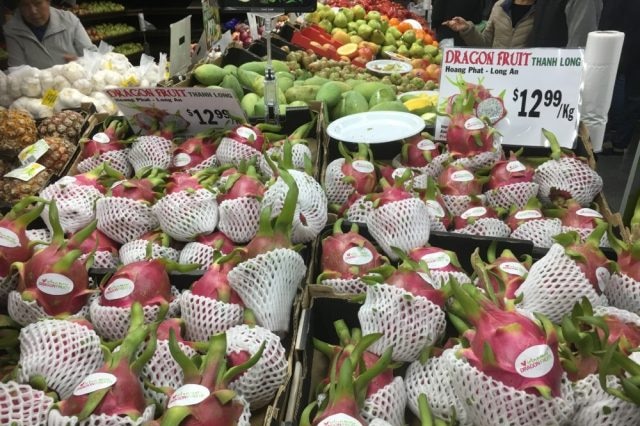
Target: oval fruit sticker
8 238
357 256
437 260
54 284
181 160
363 166
340 419
528 214
118 289
190 394
514 268
462 176
94 382
535 361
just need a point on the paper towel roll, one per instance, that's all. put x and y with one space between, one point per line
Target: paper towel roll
601 58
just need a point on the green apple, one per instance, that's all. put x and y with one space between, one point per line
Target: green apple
373 14
430 50
378 37
365 31
348 13
340 20
409 37
374 24
395 33
416 51
326 25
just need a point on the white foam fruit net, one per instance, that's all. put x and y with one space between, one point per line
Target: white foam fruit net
103 259
205 164
299 151
624 292
457 204
259 384
387 404
25 313
571 175
205 317
57 419
23 405
310 216
123 219
516 194
267 285
76 205
489 402
434 380
150 151
336 189
63 352
198 253
584 234
359 210
163 371
112 323
407 323
136 250
118 160
621 314
184 215
487 227
594 406
433 169
239 218
346 286
40 234
403 224
540 231
555 283
484 160
7 285
232 152
245 417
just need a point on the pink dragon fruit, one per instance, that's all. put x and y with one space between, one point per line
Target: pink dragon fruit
196 152
442 264
510 182
624 283
242 143
161 246
148 152
419 151
104 248
521 215
468 135
574 217
458 180
438 211
206 249
14 243
354 172
475 212
491 108
108 140
503 275
530 223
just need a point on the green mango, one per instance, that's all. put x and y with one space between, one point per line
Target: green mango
302 93
261 109
231 69
259 66
352 102
285 74
331 92
284 83
316 81
352 82
382 95
390 106
251 80
231 82
368 88
249 102
209 74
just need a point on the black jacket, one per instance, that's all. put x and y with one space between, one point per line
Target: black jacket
550 24
443 10
624 15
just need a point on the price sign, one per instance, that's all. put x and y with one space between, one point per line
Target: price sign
522 91
190 109
269 6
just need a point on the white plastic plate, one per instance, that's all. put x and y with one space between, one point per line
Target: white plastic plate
376 127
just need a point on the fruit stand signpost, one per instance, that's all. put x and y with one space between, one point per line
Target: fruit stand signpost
521 91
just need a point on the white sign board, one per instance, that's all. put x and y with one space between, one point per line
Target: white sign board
189 109
540 88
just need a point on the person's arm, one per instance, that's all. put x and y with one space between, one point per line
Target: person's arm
582 18
15 52
475 38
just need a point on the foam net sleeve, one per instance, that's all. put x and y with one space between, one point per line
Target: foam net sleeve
40 234
63 352
554 284
267 285
239 218
205 317
489 402
184 215
622 314
571 175
407 323
7 285
25 313
123 219
597 407
232 152
624 292
57 419
457 204
205 164
76 205
487 227
387 404
433 169
118 160
433 379
112 323
23 405
259 384
198 253
346 286
163 371
336 189
150 151
540 231
404 224
298 151
311 205
103 259
484 160
509 195
359 210
136 250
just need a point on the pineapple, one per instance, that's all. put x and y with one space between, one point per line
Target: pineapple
6 166
13 190
65 124
17 130
59 153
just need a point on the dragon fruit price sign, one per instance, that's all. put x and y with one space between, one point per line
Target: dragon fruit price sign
517 91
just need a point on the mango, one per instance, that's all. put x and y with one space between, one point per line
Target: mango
390 106
251 80
284 83
231 82
261 109
259 66
418 105
248 104
209 74
285 74
352 102
331 92
316 81
367 89
301 93
352 82
231 69
382 95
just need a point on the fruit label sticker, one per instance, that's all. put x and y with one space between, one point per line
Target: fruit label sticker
340 419
515 166
66 180
357 256
462 176
514 268
435 208
101 138
118 289
8 238
474 212
247 133
54 284
33 152
535 361
363 166
528 214
426 277
437 260
426 145
27 172
181 160
589 213
508 94
603 276
397 173
50 97
190 394
94 382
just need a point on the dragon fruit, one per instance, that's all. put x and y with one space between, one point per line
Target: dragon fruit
624 284
301 155
196 152
574 217
242 143
346 258
492 109
354 172
149 152
442 264
458 185
206 248
355 209
530 223
510 183
104 249
114 389
503 275
162 247
480 220
421 153
474 213
107 147
439 216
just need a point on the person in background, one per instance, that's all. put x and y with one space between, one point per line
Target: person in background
564 23
623 15
42 36
509 25
444 10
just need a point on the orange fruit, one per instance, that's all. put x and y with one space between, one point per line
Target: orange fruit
404 26
420 33
394 22
427 39
435 43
